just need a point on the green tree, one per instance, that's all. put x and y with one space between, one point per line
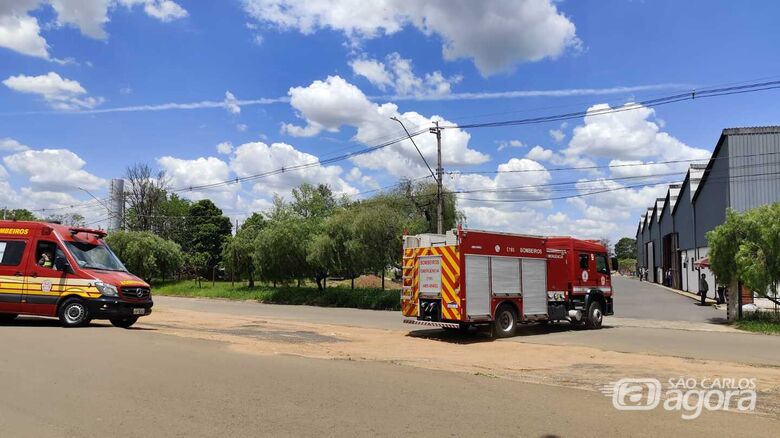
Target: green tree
238 253
281 250
145 254
627 265
379 228
17 214
69 219
170 218
746 248
625 248
207 230
311 201
336 249
146 191
418 201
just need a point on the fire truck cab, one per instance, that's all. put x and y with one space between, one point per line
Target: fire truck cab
470 277
48 269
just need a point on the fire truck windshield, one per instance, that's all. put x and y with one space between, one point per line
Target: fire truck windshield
90 256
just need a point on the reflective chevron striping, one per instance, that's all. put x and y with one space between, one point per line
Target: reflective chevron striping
450 280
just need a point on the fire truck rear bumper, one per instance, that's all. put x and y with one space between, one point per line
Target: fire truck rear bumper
432 323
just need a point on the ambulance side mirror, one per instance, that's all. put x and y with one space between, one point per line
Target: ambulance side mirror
615 264
61 264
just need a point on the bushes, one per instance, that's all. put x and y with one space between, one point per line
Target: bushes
374 299
145 254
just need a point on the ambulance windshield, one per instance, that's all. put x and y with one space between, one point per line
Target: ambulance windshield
90 256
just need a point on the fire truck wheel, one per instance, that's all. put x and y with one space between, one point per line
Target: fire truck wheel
124 323
506 321
74 313
7 317
595 315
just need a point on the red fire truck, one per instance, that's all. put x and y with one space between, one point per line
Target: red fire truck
469 277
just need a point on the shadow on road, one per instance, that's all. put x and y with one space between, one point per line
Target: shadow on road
476 335
51 322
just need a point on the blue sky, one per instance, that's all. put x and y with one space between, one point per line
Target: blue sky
85 87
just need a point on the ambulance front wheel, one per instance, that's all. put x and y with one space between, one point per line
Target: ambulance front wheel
74 313
595 315
506 321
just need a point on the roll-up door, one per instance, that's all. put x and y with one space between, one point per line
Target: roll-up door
534 286
477 285
505 276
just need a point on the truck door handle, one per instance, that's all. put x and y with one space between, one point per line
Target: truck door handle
34 275
18 274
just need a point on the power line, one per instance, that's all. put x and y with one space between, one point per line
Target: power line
301 166
713 92
608 166
612 189
692 95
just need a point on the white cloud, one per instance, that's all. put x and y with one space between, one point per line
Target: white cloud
258 157
57 170
164 10
58 92
613 195
356 176
88 16
225 148
507 202
627 135
557 134
11 145
373 70
496 35
503 144
241 127
328 105
638 168
185 173
231 103
397 73
20 32
541 154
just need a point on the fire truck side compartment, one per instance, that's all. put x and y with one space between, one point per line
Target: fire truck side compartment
477 286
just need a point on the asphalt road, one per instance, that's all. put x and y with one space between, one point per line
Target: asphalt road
655 307
643 300
102 381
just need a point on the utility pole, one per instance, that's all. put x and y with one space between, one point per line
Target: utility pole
436 176
439 175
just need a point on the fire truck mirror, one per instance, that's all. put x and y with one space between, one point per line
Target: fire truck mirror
583 261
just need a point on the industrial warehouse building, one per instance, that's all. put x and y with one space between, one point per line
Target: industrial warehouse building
743 173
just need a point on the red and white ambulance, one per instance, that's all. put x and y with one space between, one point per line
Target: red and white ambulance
469 277
48 269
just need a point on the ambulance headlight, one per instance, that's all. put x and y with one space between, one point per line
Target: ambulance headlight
107 290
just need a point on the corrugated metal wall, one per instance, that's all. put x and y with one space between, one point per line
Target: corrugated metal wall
683 217
754 170
713 197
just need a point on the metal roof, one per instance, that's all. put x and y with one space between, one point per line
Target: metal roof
727 132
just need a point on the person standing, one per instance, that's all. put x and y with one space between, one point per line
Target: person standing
703 288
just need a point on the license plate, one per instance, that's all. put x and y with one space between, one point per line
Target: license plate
139 311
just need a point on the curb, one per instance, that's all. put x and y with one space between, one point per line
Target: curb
683 293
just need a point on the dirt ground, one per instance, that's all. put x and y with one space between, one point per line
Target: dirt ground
563 366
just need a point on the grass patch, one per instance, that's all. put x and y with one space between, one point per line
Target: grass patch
760 322
375 299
